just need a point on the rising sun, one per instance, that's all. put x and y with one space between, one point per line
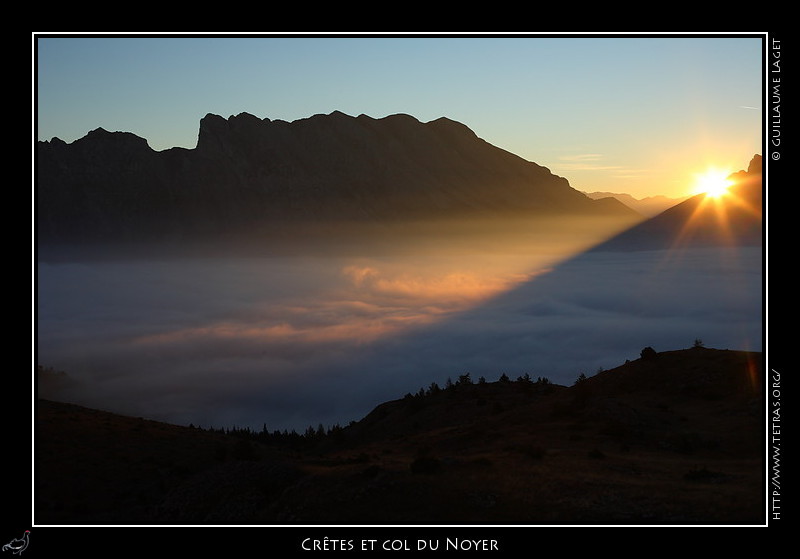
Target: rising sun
713 183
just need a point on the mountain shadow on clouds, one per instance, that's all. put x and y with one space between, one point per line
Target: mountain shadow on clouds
592 311
677 277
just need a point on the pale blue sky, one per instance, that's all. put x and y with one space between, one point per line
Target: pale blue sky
631 114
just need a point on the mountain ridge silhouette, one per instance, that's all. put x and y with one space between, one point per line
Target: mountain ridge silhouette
248 174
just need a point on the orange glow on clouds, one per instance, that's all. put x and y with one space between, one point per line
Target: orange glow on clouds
371 304
448 288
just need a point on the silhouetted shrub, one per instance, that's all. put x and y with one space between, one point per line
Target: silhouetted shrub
648 353
220 452
426 465
534 451
702 475
244 450
596 454
483 462
361 458
372 471
684 442
562 409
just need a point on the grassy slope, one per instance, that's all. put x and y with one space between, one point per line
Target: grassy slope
673 440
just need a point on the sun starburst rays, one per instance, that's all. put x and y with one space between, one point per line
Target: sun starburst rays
714 183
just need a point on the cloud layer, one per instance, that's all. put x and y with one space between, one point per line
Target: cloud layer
291 341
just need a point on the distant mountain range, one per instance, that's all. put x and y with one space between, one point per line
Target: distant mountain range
649 207
248 174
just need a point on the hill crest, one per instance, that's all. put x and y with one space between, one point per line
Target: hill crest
620 447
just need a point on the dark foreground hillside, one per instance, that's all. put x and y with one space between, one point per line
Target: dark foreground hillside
670 438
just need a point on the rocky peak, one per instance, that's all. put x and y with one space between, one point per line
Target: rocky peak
755 165
102 139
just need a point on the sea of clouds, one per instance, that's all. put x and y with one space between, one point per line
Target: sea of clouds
291 340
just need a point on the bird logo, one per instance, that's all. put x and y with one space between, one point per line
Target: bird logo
18 545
